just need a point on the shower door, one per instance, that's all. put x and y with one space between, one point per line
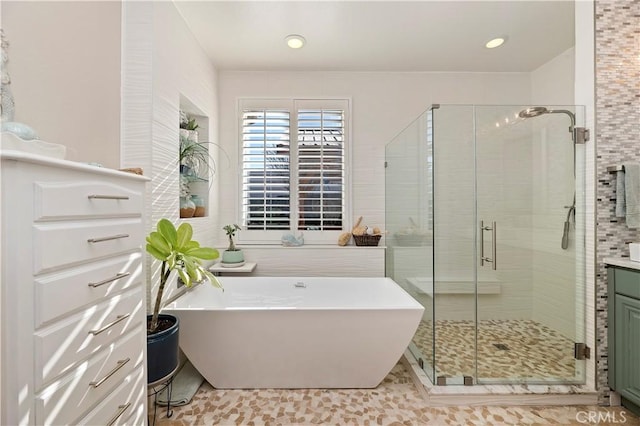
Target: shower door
529 246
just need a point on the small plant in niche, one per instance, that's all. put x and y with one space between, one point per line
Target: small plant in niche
191 124
232 256
195 160
186 122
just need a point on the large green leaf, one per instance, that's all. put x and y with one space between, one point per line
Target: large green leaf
172 261
197 275
190 246
194 270
168 231
186 279
159 243
212 279
155 253
190 266
204 253
185 232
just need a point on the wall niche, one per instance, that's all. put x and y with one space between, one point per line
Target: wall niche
197 166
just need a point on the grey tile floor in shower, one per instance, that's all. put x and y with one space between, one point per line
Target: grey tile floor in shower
507 349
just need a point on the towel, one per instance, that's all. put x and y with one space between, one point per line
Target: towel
620 195
632 194
185 385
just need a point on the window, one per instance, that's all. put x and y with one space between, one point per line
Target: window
294 183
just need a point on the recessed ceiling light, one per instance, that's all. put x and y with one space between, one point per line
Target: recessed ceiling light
295 41
496 42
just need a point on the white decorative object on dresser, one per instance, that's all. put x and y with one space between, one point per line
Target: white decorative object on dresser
72 307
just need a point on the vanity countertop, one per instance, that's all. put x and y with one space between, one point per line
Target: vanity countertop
622 262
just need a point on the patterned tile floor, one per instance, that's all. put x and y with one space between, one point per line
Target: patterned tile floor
534 350
395 402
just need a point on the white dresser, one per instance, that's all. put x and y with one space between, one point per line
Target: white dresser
72 306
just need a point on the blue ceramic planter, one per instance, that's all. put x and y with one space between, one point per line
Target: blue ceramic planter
162 350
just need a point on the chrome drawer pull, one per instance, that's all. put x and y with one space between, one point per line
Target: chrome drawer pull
108 197
109 280
113 237
121 364
111 324
121 410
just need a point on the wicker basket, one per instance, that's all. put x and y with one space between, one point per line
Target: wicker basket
367 240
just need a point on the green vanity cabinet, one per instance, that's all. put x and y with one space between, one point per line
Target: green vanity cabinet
624 335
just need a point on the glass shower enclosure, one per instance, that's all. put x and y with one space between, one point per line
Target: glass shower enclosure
485 214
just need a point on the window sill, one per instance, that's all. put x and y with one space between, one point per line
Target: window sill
306 246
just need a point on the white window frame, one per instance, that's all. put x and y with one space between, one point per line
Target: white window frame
293 105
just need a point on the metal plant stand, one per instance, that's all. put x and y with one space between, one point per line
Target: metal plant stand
153 389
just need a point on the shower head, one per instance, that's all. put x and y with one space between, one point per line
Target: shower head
533 112
538 110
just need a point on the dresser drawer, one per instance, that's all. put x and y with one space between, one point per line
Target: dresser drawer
59 348
72 396
63 292
74 199
61 244
125 401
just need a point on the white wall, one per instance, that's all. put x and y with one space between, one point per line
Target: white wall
156 33
64 62
382 105
553 82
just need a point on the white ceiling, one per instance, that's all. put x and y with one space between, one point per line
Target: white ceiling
381 35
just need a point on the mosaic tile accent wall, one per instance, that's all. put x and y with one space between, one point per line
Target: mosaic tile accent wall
617 26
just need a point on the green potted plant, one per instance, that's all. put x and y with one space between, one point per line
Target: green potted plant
232 256
190 124
194 156
194 159
177 251
197 168
188 127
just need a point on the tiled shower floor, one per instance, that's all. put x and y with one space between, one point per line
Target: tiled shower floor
396 401
531 350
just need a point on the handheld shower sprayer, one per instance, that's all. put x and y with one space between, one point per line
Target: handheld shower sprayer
567 225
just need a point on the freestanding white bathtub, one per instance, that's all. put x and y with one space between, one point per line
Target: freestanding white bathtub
287 332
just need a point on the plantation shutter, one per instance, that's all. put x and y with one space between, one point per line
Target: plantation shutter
321 169
294 175
266 176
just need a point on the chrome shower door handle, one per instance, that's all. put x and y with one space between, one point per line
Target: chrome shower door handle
494 249
483 258
482 243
